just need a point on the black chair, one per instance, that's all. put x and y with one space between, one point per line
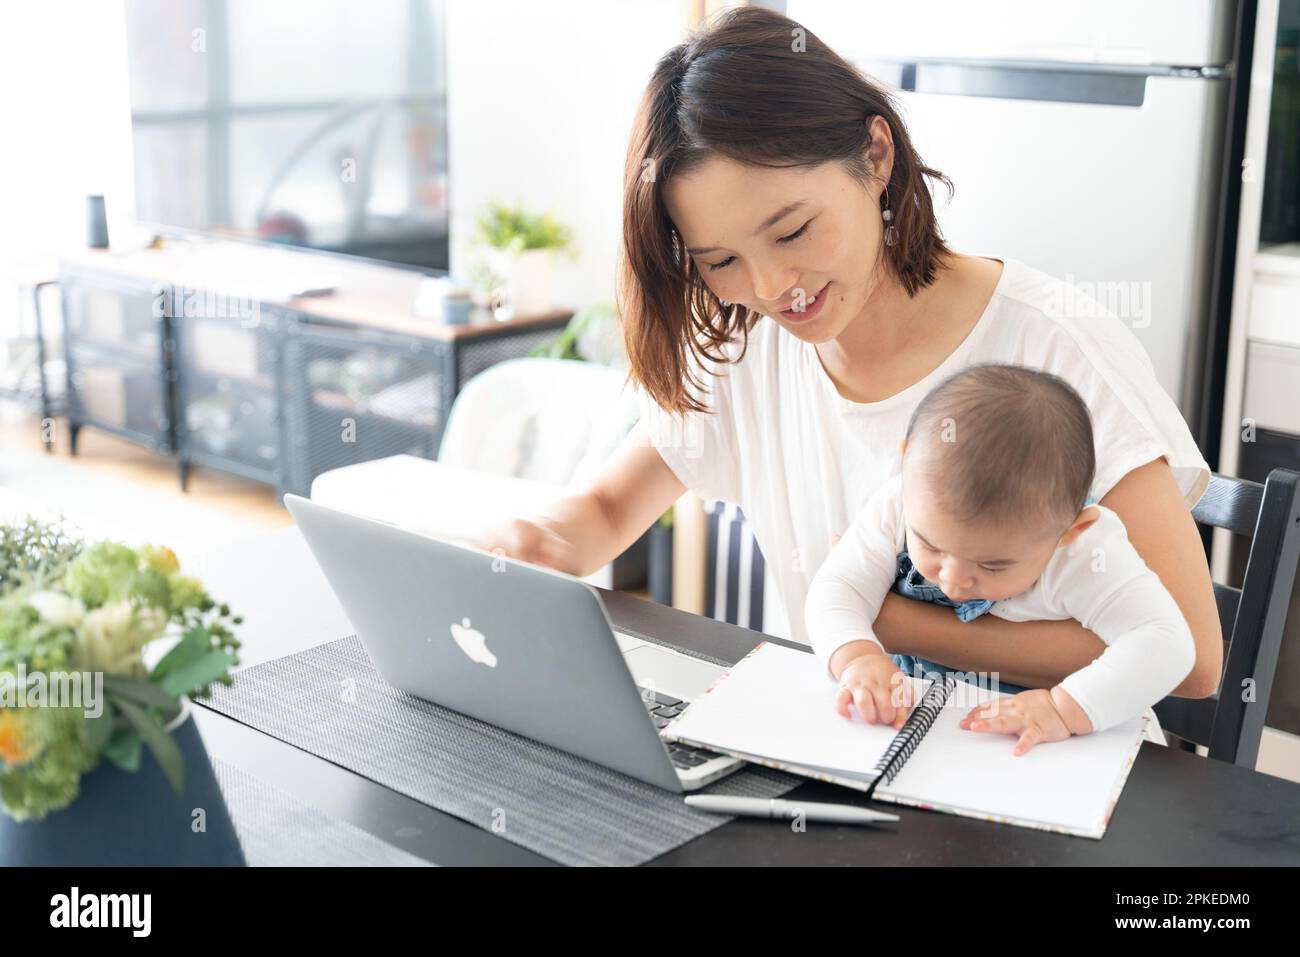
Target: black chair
1252 616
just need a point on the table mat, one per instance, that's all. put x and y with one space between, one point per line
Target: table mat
330 702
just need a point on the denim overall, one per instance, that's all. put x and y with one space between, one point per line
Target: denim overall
910 584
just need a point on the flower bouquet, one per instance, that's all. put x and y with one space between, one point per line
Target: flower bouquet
75 620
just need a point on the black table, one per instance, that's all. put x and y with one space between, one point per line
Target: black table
1177 808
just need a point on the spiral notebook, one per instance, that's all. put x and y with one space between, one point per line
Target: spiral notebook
775 708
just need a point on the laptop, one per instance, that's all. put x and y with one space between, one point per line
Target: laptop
517 645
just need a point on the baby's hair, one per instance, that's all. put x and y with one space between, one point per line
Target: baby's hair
1005 443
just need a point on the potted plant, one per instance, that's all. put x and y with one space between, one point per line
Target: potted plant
592 335
522 249
79 707
485 287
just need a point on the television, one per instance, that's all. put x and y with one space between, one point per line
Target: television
319 124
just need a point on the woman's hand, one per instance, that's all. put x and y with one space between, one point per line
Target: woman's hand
875 686
1161 528
586 529
531 540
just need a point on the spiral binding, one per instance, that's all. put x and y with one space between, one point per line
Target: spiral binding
909 737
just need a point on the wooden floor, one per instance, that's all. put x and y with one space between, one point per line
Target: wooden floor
102 454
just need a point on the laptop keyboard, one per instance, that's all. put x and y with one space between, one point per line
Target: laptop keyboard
663 708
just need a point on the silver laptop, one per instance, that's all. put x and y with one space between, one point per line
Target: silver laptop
522 647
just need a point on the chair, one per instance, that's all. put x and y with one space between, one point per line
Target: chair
1253 616
545 420
517 435
735 572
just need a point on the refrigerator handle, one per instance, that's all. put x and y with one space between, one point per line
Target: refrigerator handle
1010 80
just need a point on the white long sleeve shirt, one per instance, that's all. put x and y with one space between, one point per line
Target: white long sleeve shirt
1098 580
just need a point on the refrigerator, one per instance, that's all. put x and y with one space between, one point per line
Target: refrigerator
1091 140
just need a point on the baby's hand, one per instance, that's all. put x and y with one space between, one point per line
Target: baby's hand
874 685
1031 714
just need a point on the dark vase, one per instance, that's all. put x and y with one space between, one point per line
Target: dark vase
132 820
660 570
96 223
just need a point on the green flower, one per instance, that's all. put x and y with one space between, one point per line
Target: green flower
29 640
108 572
34 552
148 587
187 593
101 573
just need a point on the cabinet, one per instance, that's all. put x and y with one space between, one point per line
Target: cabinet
119 364
229 395
278 394
356 394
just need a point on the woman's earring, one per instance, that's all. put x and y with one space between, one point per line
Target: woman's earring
891 234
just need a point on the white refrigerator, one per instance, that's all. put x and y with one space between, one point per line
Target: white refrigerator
1085 138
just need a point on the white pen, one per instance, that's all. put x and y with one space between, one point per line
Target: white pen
778 808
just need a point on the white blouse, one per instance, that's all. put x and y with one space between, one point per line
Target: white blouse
801 460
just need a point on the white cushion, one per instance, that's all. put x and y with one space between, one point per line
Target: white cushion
444 501
553 420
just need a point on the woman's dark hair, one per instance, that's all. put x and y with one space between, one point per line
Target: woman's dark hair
755 87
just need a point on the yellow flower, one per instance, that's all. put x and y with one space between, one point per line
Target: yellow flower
161 559
13 745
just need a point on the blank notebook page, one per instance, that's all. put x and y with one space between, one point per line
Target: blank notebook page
1068 784
779 704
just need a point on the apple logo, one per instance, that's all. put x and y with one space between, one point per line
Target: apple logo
473 643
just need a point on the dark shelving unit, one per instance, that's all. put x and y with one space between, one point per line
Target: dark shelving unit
279 398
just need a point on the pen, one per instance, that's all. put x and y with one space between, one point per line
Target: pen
778 808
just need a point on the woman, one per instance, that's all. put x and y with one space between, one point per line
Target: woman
788 299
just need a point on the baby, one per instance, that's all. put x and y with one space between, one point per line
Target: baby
989 515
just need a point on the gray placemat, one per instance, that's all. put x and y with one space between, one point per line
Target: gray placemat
330 701
277 829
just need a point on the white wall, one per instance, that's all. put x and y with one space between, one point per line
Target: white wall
542 95
542 99
65 119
